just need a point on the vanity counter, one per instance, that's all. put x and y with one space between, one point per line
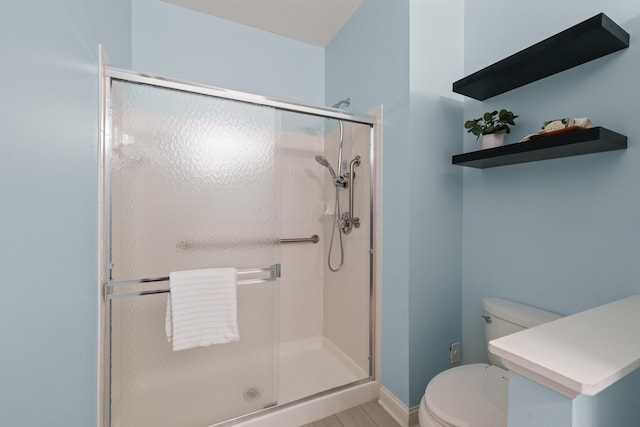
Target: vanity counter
579 354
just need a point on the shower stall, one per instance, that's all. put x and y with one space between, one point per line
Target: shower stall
196 177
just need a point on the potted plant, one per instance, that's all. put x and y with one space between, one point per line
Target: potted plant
492 126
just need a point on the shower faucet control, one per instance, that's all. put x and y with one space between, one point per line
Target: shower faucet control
345 223
341 181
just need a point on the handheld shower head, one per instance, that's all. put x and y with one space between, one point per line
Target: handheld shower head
324 162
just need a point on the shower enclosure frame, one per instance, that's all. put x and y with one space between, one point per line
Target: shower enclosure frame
107 75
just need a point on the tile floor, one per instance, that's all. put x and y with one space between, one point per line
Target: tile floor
369 414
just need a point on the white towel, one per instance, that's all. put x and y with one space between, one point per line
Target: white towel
202 308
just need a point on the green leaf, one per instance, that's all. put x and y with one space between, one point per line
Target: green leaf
491 122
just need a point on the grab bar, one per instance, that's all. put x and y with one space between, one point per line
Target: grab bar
111 285
313 239
185 245
352 175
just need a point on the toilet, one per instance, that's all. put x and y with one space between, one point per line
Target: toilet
475 395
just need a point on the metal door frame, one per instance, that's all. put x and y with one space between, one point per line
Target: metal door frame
107 75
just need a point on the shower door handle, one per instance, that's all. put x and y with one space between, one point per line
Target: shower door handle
352 176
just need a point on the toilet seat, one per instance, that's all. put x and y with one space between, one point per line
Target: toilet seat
468 396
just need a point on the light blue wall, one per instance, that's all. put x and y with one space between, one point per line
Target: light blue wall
533 405
385 55
49 215
435 253
368 61
614 406
182 43
562 234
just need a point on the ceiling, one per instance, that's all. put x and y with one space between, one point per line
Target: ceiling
314 22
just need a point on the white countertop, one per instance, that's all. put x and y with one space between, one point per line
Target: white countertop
579 354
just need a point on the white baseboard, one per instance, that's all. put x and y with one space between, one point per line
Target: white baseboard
402 414
413 416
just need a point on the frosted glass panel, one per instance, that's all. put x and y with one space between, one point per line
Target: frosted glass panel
193 182
193 185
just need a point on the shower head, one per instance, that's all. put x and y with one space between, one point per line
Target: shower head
345 102
324 162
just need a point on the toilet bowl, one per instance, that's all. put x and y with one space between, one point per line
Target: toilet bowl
470 395
475 395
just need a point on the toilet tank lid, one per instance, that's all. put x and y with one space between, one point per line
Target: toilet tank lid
520 314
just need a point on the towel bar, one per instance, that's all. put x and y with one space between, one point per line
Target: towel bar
110 285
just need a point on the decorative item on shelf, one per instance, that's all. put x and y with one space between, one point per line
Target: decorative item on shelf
492 126
554 127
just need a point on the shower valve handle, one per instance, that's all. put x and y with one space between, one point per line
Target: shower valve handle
341 181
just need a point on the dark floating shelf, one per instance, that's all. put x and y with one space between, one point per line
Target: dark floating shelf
574 143
596 37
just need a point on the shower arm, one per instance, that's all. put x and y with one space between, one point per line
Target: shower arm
352 176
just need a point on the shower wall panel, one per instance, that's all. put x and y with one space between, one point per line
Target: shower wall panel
346 292
302 204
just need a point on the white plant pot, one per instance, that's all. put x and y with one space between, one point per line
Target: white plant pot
492 140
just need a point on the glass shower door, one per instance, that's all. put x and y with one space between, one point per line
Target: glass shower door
192 184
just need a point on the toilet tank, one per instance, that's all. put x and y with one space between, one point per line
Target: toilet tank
504 317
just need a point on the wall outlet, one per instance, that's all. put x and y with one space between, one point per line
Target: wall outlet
454 353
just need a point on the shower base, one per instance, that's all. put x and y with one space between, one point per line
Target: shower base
308 369
313 365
